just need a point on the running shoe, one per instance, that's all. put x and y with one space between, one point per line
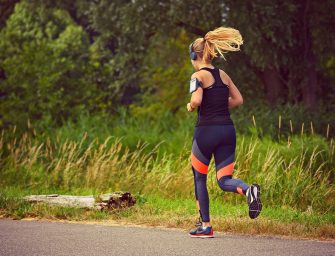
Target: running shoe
254 201
202 232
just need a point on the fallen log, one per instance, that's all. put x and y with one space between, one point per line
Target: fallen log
109 201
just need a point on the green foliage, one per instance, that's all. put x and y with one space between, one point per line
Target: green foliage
165 78
176 212
43 54
68 67
266 36
279 37
97 153
283 121
60 57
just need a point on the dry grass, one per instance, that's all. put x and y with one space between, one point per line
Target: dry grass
298 174
150 215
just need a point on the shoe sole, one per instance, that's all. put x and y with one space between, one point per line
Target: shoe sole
256 206
209 236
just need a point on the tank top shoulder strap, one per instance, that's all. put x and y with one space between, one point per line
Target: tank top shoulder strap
216 75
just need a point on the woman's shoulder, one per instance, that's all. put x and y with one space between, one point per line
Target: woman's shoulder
222 72
195 75
225 77
199 75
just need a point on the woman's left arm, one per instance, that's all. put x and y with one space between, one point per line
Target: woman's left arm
196 97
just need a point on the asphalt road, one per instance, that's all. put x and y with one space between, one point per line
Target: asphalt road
31 237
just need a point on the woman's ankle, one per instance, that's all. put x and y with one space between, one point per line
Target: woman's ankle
206 224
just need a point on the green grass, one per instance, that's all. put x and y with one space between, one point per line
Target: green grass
154 210
295 170
297 174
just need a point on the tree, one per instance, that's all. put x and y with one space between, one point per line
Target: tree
43 54
283 45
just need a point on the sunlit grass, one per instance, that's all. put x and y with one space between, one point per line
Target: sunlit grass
295 170
154 210
298 175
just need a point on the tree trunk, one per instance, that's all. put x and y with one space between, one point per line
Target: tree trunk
273 85
310 83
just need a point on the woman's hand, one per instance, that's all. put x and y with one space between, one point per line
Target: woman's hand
189 107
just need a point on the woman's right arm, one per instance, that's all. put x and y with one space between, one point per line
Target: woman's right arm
235 98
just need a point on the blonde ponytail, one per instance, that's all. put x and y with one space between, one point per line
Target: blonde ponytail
220 40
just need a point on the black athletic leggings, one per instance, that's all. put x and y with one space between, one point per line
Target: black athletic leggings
219 140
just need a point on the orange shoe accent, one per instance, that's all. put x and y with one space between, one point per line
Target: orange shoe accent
225 171
198 165
240 191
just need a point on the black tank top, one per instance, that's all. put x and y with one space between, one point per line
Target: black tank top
214 106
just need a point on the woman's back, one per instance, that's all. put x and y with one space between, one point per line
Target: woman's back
214 106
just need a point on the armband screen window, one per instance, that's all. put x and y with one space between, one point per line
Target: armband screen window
194 84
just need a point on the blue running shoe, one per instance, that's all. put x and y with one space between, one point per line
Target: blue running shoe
203 232
254 201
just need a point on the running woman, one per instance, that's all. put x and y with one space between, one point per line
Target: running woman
213 93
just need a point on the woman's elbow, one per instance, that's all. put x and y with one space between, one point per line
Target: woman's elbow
240 101
196 102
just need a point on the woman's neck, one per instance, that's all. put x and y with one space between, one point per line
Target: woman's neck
205 65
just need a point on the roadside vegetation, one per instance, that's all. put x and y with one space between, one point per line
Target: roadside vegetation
295 171
93 100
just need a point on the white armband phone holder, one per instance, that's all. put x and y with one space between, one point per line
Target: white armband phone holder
194 84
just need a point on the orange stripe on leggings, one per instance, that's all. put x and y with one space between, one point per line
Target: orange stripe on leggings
225 171
198 165
240 191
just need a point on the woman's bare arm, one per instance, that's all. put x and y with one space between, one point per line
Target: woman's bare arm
235 97
196 97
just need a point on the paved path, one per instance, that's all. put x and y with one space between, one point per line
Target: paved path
27 238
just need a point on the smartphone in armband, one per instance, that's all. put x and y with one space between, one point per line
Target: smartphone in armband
194 84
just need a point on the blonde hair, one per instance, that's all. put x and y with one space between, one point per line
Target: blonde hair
221 40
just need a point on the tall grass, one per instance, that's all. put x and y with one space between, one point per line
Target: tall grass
298 174
174 130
